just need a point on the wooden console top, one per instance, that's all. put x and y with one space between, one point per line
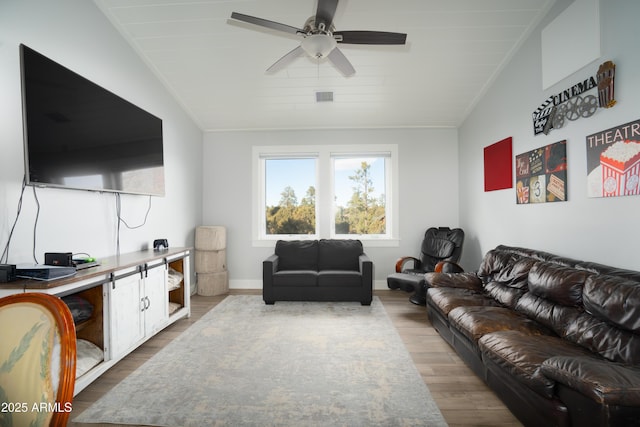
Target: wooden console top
107 265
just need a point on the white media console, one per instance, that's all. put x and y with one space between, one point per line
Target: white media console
133 297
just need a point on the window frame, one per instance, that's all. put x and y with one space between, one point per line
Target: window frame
325 215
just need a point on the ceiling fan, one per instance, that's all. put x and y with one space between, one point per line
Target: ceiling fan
319 38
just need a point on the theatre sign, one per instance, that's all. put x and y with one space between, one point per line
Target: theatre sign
572 103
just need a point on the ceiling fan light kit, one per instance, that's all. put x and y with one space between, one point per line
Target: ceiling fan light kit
318 45
320 40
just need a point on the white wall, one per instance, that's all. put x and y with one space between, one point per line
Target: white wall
594 229
77 35
428 190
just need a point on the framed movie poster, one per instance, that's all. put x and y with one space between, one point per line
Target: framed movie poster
613 161
541 174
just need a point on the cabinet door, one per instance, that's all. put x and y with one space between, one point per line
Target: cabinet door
156 299
127 306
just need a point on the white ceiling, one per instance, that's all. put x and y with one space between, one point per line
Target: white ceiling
216 68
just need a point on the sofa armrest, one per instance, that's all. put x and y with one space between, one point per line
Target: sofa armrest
601 380
402 261
453 280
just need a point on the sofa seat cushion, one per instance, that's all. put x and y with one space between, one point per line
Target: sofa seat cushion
474 322
327 278
521 356
603 381
446 299
295 278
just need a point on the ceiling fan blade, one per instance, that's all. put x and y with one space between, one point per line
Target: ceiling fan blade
326 11
265 23
341 62
370 37
286 60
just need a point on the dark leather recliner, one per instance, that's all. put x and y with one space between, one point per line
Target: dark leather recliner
439 244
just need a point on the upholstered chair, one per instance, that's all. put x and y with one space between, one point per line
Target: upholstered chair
37 360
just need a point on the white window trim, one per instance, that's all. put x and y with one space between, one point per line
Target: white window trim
324 202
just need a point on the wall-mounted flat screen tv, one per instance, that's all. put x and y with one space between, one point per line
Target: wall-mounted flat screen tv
79 135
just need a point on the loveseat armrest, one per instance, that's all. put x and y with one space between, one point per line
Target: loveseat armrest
405 259
606 382
366 269
269 267
453 280
271 263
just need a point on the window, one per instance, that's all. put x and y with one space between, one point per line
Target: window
359 194
290 196
312 192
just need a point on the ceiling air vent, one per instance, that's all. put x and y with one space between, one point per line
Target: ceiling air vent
324 96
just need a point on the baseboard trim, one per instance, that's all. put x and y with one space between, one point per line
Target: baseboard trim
257 284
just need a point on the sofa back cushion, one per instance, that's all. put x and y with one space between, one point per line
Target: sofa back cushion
505 275
337 254
297 254
613 303
615 300
559 284
555 296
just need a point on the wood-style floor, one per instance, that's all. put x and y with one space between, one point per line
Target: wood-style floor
463 398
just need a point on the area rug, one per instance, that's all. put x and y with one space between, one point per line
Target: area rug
245 363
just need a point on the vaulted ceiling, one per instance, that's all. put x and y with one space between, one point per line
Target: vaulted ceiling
215 67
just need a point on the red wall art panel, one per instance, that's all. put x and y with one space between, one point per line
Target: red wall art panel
498 166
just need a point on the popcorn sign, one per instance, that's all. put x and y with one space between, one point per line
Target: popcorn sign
613 161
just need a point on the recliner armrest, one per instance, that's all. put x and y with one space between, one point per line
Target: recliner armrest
448 267
402 261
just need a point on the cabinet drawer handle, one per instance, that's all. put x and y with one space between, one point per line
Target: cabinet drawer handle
147 303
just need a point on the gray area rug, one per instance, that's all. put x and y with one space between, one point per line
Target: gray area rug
245 363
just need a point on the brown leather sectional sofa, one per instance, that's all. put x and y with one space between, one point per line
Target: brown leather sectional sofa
557 339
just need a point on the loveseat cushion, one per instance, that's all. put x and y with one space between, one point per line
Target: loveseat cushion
476 321
297 254
337 254
596 378
521 355
342 278
299 278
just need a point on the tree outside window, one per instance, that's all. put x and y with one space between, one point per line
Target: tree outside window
325 191
289 215
359 194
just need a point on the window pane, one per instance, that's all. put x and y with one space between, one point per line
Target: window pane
290 196
359 195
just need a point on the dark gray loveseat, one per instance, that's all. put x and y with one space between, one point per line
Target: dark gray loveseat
317 270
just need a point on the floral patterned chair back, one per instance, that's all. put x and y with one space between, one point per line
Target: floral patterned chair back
37 360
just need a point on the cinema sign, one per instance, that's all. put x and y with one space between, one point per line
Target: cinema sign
571 104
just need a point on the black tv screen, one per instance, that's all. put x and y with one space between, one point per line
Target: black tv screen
79 135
